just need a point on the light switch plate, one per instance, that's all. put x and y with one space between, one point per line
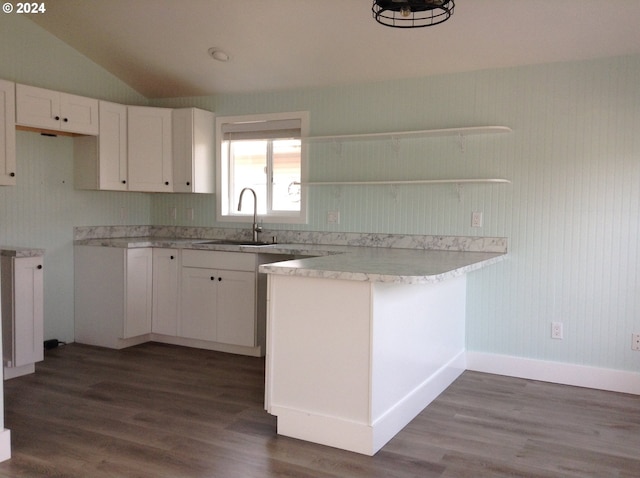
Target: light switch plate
476 219
333 217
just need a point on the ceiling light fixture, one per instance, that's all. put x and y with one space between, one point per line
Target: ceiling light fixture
218 54
412 13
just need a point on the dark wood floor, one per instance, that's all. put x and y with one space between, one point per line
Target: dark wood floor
163 411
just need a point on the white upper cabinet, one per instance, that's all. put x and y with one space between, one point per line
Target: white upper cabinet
101 162
149 149
112 146
52 110
7 134
193 151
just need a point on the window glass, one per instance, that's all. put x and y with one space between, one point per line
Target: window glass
264 153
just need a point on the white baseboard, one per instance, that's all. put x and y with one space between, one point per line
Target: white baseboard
13 372
5 445
555 372
363 437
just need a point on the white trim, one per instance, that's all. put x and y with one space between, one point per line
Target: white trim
555 372
410 134
13 372
361 437
5 444
222 201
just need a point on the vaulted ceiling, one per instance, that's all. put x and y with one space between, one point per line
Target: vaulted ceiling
159 47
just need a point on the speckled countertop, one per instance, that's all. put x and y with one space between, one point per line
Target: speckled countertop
365 257
21 251
375 264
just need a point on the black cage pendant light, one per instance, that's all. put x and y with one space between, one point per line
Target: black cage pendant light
412 13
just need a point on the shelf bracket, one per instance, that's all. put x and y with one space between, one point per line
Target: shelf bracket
336 146
462 140
459 191
394 193
395 144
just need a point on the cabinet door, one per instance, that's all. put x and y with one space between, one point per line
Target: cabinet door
149 149
7 134
52 110
29 314
198 304
78 114
112 147
138 293
193 150
37 107
22 310
236 312
165 291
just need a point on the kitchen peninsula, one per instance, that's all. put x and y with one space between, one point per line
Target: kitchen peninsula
362 330
359 343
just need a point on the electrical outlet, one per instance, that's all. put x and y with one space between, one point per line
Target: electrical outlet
333 217
476 219
635 342
556 330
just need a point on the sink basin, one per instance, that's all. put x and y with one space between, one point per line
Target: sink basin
232 242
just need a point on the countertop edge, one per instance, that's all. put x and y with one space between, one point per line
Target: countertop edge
390 265
279 268
11 251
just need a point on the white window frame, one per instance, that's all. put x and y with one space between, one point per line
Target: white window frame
225 210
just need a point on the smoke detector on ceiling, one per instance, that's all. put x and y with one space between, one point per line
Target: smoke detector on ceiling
218 54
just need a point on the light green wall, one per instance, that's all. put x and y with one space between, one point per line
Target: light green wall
43 208
571 213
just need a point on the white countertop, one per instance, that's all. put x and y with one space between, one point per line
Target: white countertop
400 266
374 264
21 251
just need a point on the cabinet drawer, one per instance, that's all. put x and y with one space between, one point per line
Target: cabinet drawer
237 261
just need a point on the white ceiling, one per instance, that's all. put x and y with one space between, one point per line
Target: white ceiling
159 47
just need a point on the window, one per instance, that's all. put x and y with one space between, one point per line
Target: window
264 153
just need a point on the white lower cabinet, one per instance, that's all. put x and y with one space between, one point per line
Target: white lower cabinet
166 291
138 293
22 314
218 298
113 295
207 299
236 311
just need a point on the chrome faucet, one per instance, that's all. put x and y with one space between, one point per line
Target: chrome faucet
256 229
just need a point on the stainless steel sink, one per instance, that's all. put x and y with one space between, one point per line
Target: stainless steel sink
232 242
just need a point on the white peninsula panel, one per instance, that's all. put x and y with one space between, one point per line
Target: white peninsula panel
350 363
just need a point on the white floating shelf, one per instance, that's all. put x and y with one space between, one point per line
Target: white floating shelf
472 130
417 181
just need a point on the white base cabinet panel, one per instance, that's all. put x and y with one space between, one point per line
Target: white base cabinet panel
113 296
212 300
22 314
350 363
218 300
166 291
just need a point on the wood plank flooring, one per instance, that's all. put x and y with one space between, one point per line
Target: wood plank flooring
163 411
